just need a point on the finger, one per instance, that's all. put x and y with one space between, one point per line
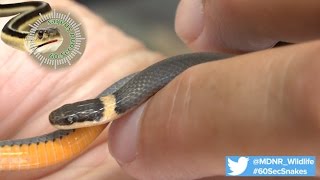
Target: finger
242 26
255 104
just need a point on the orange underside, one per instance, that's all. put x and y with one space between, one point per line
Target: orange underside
49 153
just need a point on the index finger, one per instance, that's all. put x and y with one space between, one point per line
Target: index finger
242 26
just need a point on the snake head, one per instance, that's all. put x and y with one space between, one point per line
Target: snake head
46 40
77 115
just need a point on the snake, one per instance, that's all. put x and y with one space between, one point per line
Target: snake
80 123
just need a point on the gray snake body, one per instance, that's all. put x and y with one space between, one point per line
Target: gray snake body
136 90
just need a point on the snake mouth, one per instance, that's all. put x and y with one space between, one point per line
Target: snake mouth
49 46
46 43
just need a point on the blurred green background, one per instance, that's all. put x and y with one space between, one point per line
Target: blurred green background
150 21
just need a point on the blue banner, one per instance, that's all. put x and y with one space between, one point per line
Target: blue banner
270 165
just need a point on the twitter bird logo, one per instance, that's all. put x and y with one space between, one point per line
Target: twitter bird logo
239 167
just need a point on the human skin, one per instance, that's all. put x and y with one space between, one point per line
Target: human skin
29 93
245 25
254 104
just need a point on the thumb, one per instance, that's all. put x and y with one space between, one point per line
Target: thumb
264 103
242 26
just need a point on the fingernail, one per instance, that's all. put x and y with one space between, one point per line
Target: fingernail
189 20
123 136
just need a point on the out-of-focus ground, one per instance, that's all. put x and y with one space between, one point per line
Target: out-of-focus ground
150 21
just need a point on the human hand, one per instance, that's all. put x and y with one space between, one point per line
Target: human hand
263 103
29 92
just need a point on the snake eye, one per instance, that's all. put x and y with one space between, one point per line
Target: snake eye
40 34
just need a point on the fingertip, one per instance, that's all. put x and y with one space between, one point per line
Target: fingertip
200 25
123 136
189 20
